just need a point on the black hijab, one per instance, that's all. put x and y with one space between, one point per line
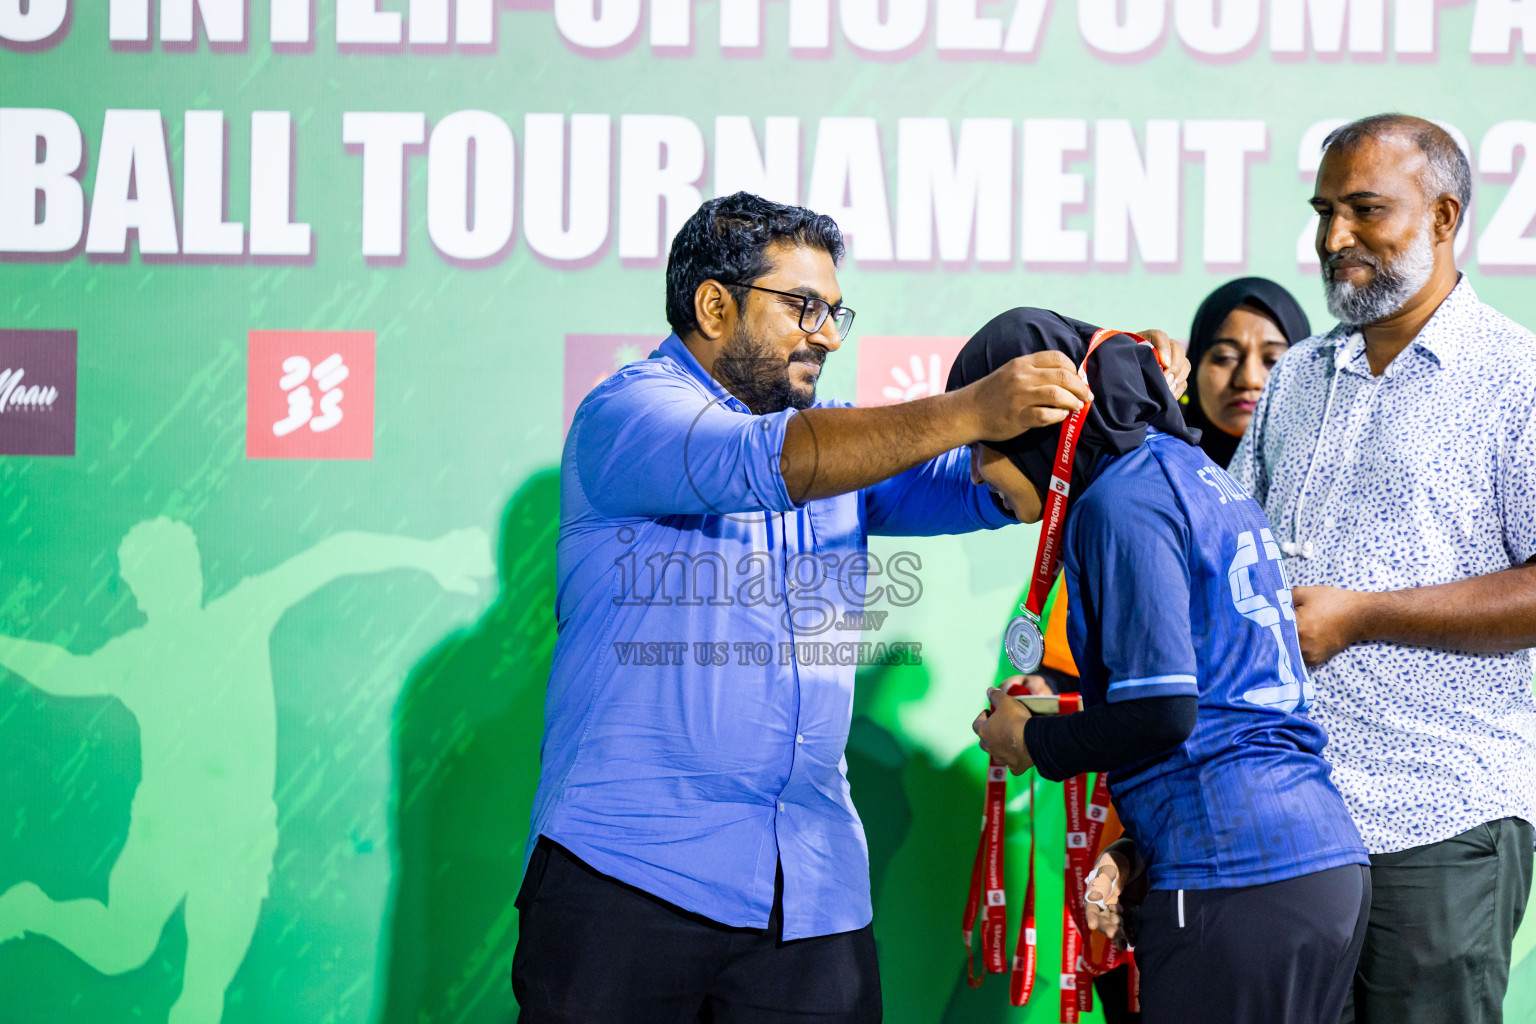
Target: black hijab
1268 298
1129 391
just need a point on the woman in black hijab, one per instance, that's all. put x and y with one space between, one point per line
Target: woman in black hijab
1130 392
1193 700
1240 331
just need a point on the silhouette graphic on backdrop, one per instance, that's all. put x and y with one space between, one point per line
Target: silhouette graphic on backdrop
467 731
203 826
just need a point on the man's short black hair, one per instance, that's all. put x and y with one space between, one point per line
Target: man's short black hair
727 239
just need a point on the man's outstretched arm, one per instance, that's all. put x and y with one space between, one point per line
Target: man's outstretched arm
649 444
457 560
833 451
49 668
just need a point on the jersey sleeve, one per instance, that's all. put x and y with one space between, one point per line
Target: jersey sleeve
1132 553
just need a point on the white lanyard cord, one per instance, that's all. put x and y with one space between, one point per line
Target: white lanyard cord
1295 547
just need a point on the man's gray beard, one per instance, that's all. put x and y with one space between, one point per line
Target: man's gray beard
755 373
1390 287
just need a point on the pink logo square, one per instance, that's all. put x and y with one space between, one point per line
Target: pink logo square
309 395
897 369
591 359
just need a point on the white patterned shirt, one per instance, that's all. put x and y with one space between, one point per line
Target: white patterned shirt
1423 475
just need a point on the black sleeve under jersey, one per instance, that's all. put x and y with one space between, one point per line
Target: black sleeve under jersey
1108 736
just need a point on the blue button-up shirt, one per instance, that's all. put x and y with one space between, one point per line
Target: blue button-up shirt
702 684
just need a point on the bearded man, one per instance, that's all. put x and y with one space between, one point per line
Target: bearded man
693 853
1395 457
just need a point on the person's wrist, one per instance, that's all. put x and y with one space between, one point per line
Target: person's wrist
958 419
1367 617
1032 722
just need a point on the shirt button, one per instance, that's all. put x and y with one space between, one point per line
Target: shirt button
799 737
1328 522
781 805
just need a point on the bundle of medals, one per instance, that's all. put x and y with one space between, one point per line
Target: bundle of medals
1080 964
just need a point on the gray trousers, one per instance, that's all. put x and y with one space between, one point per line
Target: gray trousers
1443 917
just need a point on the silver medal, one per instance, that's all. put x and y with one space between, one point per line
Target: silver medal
1024 643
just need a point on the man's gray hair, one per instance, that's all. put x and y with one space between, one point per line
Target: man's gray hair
1447 171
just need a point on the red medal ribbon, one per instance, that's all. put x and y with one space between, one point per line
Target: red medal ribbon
987 896
1070 944
1054 516
1021 985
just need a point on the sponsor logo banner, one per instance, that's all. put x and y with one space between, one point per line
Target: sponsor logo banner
37 392
309 395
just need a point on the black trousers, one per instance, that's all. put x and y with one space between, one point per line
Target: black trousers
1113 989
592 949
1282 953
1443 917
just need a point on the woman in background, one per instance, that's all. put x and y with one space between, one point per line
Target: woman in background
1240 331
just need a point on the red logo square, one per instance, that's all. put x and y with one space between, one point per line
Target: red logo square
899 369
309 395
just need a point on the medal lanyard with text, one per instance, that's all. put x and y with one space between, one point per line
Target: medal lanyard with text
1085 825
1024 644
1024 640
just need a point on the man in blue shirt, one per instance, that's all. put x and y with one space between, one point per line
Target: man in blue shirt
693 851
1195 695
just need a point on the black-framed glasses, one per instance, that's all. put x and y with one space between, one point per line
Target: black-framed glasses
813 311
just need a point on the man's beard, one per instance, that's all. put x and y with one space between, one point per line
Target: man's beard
1390 287
751 368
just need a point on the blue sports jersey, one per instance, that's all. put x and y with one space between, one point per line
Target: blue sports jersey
1177 589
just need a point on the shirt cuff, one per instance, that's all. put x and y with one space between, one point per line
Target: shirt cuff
1153 686
764 475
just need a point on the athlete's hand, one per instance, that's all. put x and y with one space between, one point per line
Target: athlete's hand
460 558
1036 390
1001 728
1327 621
1172 355
1105 887
1121 884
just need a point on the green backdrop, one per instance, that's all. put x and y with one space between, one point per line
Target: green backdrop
361 680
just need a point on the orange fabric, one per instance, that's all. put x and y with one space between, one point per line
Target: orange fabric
1113 830
1057 654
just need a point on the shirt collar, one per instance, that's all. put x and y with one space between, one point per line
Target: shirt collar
674 349
1440 339
1447 331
